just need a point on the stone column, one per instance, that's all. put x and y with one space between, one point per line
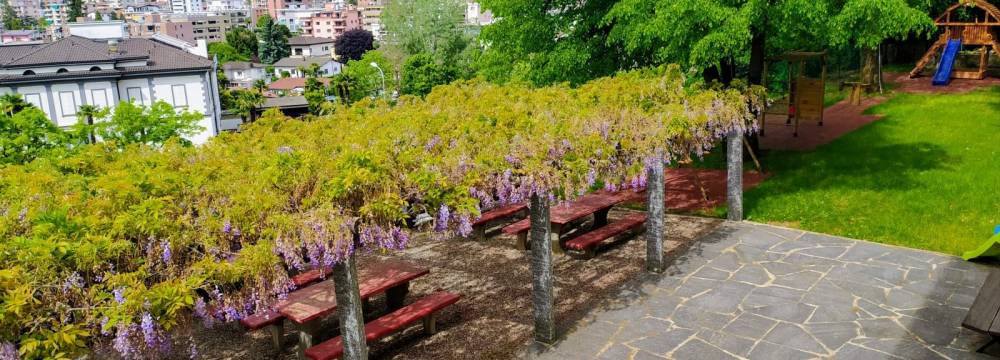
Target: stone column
654 218
542 297
352 321
734 183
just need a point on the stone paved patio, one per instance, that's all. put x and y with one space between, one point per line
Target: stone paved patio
762 292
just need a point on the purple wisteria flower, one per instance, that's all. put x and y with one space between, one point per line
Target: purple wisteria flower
123 342
104 326
166 251
8 351
442 220
432 143
227 227
201 311
74 281
22 214
464 225
284 149
119 294
192 348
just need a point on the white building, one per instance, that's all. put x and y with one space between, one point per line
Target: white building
98 30
307 46
60 76
292 65
243 74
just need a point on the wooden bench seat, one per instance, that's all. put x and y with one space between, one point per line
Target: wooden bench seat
494 217
424 309
983 314
518 227
586 245
311 276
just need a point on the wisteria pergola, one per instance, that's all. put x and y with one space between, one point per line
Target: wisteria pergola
232 215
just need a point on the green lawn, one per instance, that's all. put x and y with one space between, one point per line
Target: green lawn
926 176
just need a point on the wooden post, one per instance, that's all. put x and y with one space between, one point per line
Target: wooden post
352 321
654 218
734 183
542 297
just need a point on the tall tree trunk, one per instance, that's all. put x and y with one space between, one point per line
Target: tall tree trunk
869 68
734 183
654 218
352 321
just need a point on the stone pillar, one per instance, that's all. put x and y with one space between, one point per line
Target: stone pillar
654 218
734 183
542 297
352 321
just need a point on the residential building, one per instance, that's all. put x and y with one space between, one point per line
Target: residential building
475 15
19 36
227 5
242 74
191 28
293 65
60 76
333 21
187 6
371 16
54 12
292 86
27 8
307 46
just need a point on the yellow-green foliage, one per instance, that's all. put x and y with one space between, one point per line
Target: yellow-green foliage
168 229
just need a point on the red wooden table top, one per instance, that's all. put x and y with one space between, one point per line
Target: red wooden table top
319 299
586 205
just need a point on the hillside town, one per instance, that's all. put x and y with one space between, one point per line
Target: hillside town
227 60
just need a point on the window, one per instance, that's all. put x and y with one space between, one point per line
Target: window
99 97
61 70
34 99
67 103
28 72
135 95
95 68
180 95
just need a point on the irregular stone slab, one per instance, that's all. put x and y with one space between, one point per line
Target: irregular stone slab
733 344
664 342
904 348
794 337
766 350
854 352
749 326
795 313
802 280
751 274
698 349
834 335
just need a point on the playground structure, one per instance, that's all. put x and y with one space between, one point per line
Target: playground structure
805 94
975 26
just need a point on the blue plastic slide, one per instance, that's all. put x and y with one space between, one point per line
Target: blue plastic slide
943 75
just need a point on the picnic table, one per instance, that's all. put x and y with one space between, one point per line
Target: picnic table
304 306
565 217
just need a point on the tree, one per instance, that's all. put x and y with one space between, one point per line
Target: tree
88 113
544 42
364 79
353 44
10 19
27 135
243 40
421 74
246 103
225 52
154 125
98 17
865 24
12 103
273 40
74 10
113 15
427 26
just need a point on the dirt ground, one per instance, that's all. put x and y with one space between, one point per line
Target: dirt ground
493 319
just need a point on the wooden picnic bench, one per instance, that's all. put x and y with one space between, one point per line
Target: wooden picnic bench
566 216
984 315
501 215
424 309
585 246
302 306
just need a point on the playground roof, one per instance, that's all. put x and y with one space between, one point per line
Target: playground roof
990 9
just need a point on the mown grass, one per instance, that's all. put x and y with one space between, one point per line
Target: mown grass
926 176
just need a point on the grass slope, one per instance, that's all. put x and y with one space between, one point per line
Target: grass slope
926 176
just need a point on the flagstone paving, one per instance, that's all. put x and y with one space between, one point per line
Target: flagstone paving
752 291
